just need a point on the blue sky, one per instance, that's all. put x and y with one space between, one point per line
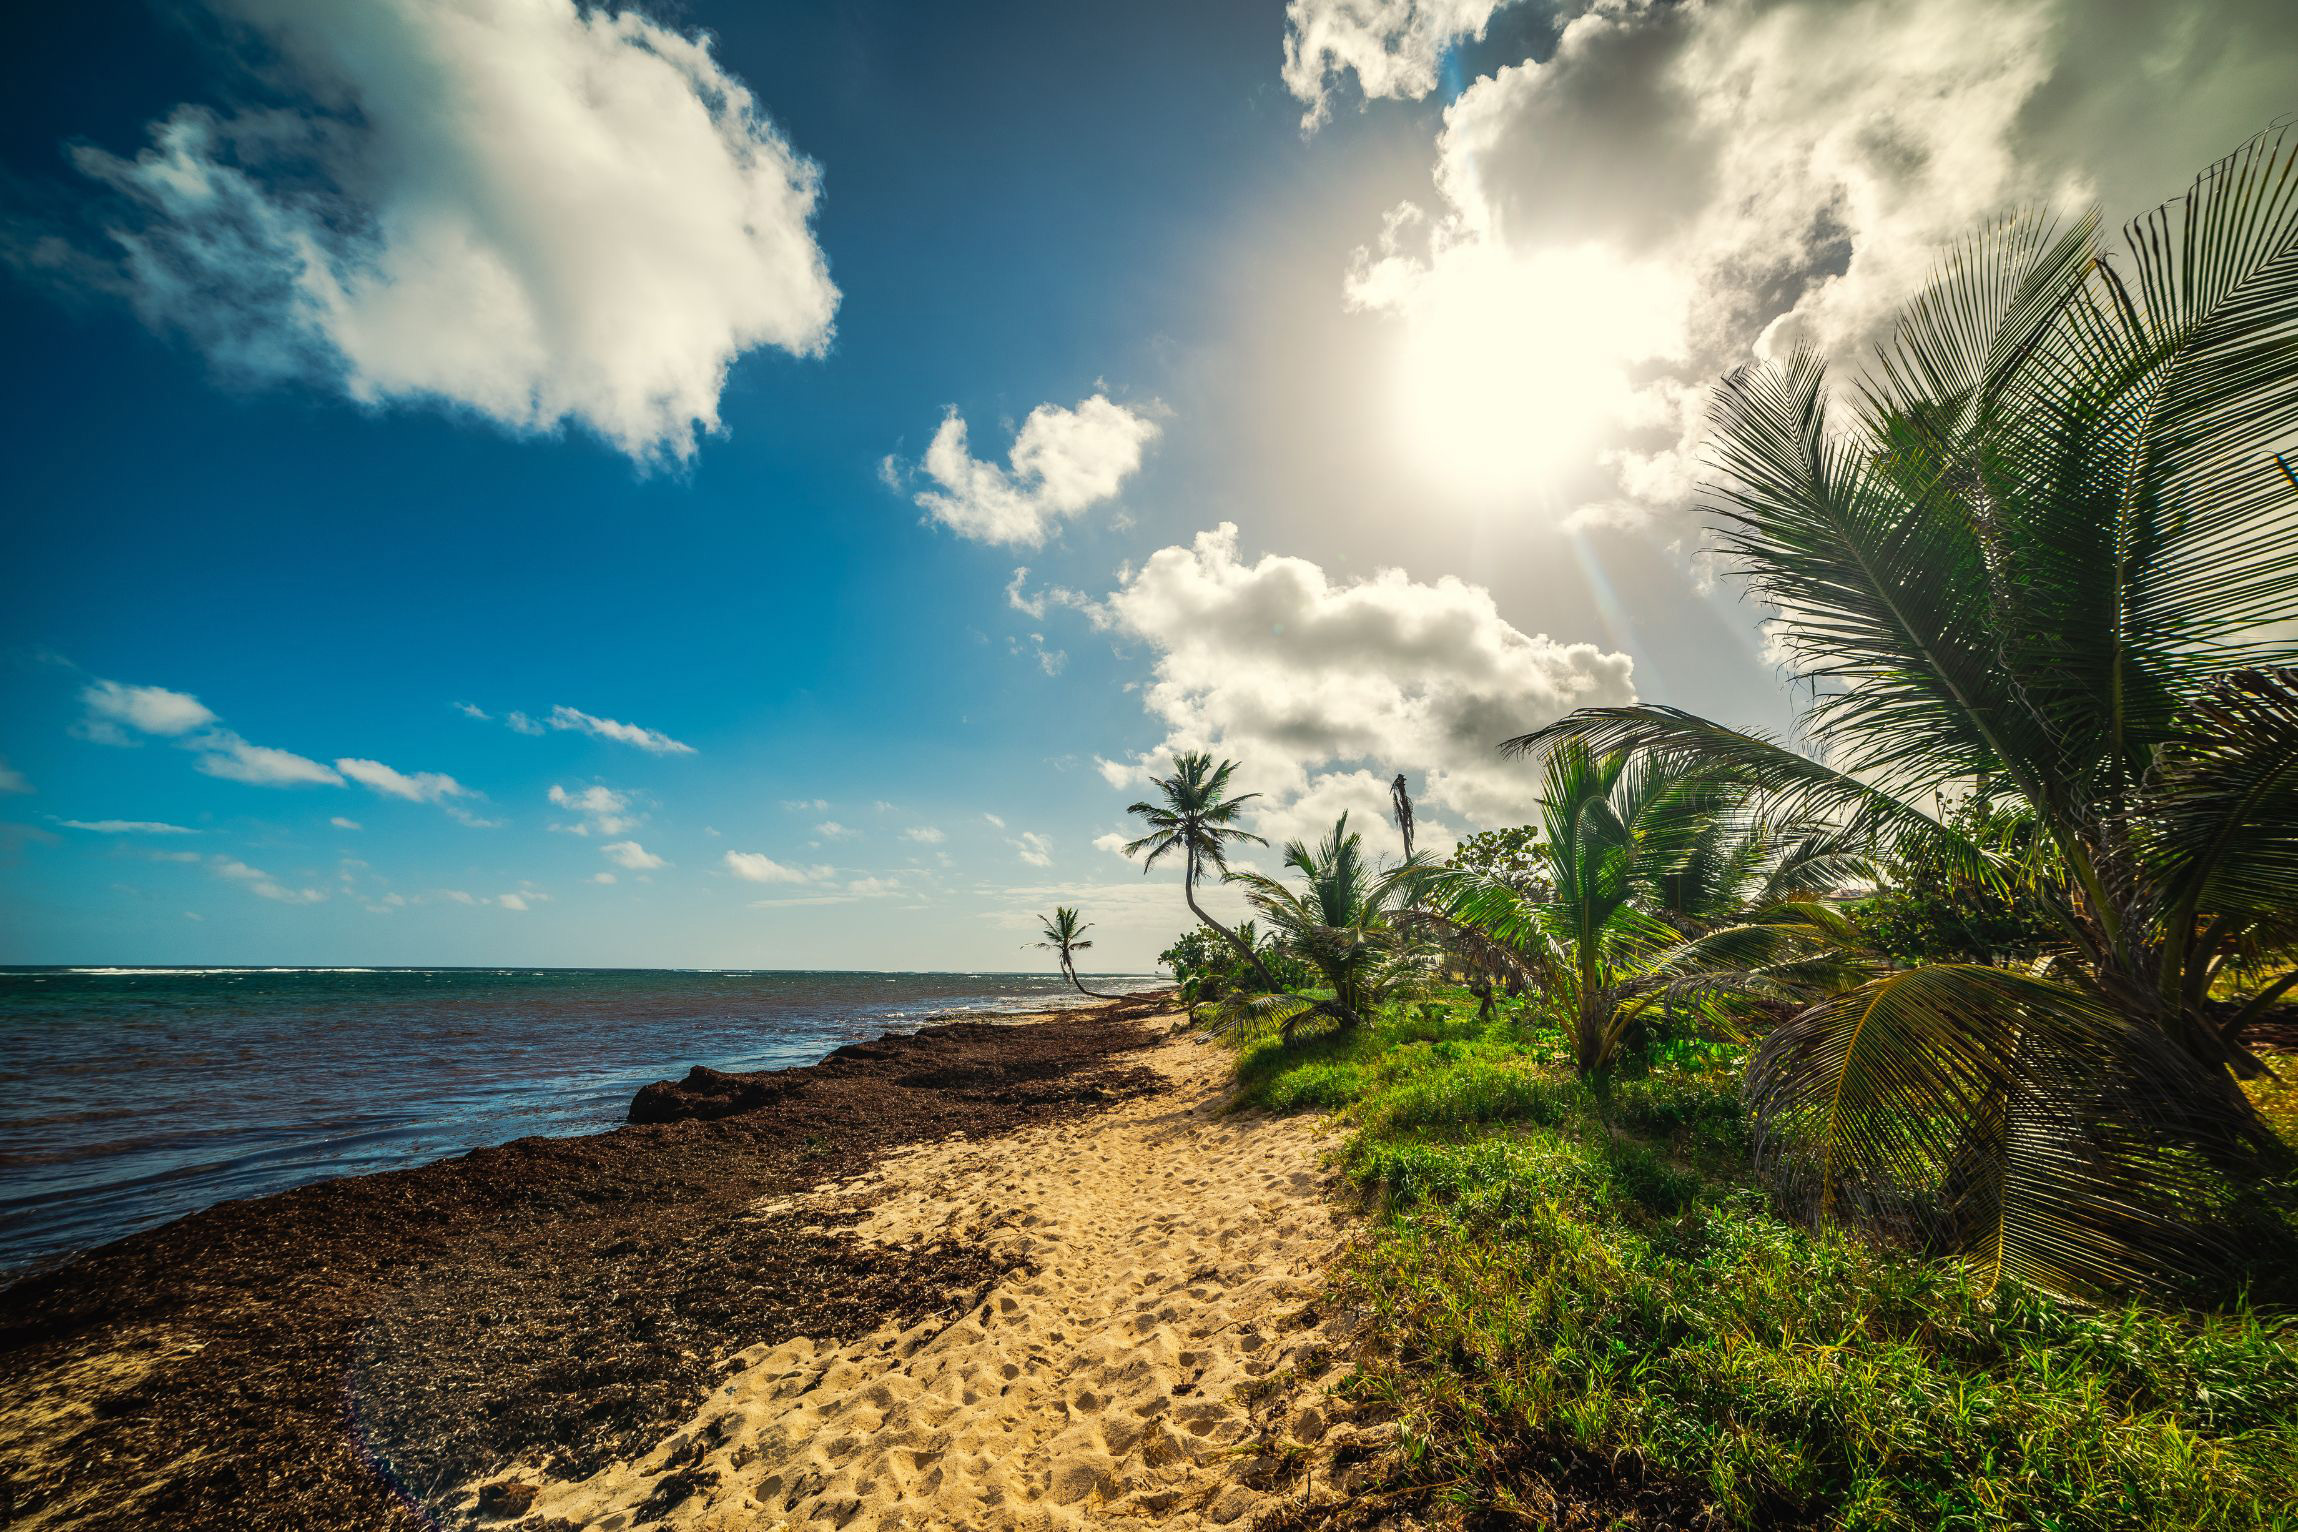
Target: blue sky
1335 380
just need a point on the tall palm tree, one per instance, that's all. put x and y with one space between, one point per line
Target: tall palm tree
2046 551
1337 921
1196 818
1065 935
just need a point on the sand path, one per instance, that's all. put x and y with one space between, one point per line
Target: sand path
1155 1334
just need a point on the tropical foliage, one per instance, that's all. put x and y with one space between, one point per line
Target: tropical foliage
2046 552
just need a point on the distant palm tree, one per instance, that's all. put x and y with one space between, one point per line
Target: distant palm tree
1400 800
1196 818
2049 556
1065 934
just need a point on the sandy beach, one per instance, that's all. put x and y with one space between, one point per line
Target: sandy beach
985 1276
1156 1333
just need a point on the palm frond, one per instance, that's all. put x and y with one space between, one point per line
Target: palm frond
2016 1123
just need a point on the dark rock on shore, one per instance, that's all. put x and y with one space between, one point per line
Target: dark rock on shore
706 1094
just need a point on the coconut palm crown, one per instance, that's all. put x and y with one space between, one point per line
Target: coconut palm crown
1195 817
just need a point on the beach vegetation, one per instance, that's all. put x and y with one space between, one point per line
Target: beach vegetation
1555 1278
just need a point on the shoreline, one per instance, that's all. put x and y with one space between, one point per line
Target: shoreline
336 1355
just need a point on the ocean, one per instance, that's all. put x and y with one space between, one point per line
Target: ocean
131 1096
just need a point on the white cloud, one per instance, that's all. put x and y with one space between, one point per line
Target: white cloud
654 741
631 855
126 827
115 709
415 787
1297 676
12 780
873 887
1393 47
830 829
473 710
520 723
535 210
757 867
925 835
1063 463
602 810
263 884
342 823
602 877
805 805
224 754
512 901
1114 843
1677 188
146 709
1033 848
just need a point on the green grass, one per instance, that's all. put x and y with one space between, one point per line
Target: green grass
1555 1281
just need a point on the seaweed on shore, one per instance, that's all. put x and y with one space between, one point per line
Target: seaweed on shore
339 1355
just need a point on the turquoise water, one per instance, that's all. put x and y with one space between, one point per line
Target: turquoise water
130 1096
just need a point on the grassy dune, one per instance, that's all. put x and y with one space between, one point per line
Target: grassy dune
1554 1280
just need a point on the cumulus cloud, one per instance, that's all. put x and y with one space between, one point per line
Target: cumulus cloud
342 823
925 835
653 741
1393 47
631 855
414 786
224 754
1325 689
830 829
601 810
1114 842
114 708
1063 463
117 713
538 211
1676 188
127 827
12 780
1033 848
262 884
757 867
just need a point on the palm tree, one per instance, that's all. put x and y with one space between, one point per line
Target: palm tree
2045 552
1197 818
1065 934
1638 851
1337 922
1400 800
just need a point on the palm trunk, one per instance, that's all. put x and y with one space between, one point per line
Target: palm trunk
1189 893
1070 969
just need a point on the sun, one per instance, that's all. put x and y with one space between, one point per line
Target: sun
1512 371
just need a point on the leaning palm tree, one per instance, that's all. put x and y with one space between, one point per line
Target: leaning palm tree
1064 935
1195 817
1337 922
2048 552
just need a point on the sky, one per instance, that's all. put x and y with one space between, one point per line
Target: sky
763 485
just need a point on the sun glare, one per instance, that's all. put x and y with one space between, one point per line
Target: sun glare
1512 373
